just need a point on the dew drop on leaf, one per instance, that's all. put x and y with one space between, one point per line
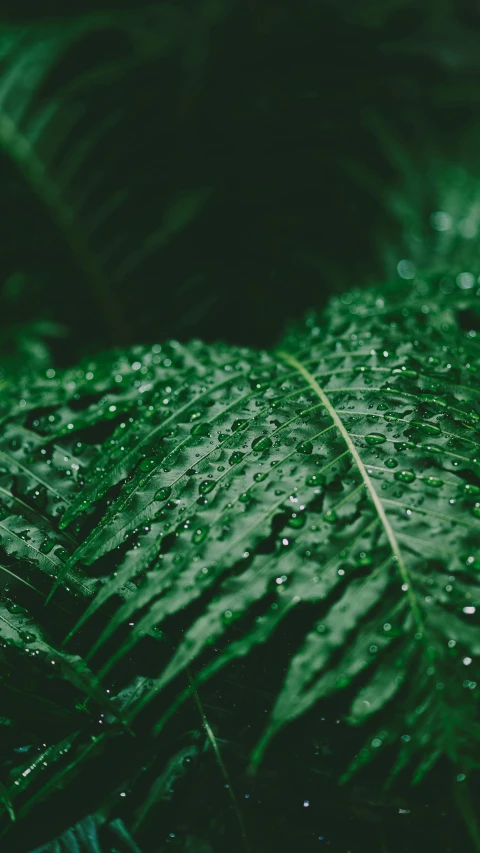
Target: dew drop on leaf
206 486
199 535
391 463
163 493
305 447
409 374
12 607
297 520
46 546
330 516
261 443
147 464
426 428
471 489
315 480
364 559
237 456
405 476
375 438
201 429
27 637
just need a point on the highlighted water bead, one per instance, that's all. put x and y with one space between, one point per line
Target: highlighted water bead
263 442
297 520
391 463
426 428
201 429
163 493
471 489
147 464
206 486
305 447
199 535
374 438
403 371
405 476
315 480
330 516
26 637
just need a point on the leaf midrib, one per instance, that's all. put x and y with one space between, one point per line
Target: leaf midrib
389 532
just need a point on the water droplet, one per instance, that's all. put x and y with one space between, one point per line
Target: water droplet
163 494
199 535
330 516
470 489
259 476
202 575
12 607
315 480
62 554
238 424
433 481
201 429
428 429
403 371
235 457
375 438
297 519
405 476
305 447
147 464
261 443
391 463
26 637
206 486
364 559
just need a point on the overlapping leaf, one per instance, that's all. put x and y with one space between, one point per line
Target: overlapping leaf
231 488
343 479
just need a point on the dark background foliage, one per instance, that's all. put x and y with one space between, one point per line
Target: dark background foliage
211 169
216 166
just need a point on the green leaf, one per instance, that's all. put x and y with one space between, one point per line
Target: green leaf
335 483
342 479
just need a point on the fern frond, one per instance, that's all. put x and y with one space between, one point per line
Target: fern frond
343 480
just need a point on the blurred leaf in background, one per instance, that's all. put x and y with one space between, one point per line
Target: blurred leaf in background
188 168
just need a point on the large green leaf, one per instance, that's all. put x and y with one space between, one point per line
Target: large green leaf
342 479
227 491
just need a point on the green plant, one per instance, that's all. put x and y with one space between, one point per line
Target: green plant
208 496
152 152
239 585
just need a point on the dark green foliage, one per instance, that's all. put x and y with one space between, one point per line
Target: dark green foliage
85 837
184 502
239 565
159 160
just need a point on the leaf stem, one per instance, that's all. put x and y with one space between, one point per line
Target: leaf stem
405 575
